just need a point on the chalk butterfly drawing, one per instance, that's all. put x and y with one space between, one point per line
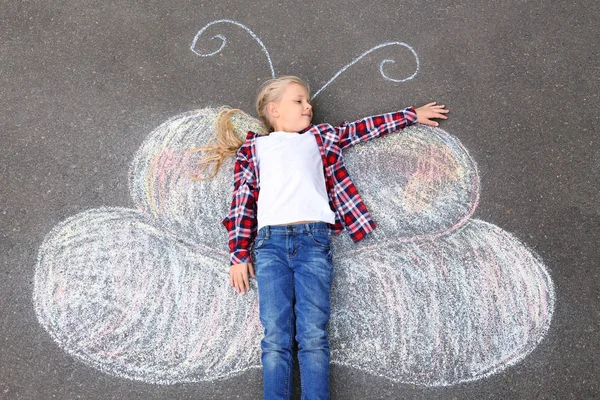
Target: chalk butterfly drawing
432 297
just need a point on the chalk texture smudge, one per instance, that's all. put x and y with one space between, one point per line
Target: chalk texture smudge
132 300
435 313
432 297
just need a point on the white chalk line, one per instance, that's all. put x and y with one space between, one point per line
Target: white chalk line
224 41
264 49
155 186
381 167
380 65
129 313
387 272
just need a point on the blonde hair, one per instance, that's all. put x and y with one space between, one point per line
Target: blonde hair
272 91
226 142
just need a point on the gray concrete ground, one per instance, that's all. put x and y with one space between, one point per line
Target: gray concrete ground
84 82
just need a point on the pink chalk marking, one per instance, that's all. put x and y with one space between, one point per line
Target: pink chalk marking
165 161
492 282
110 328
150 185
526 287
385 288
542 294
114 354
186 170
209 322
431 272
432 237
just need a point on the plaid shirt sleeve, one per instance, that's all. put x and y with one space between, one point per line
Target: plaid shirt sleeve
241 221
351 133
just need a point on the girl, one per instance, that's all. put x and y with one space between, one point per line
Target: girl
306 194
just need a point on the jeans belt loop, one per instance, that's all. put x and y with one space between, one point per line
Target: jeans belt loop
267 231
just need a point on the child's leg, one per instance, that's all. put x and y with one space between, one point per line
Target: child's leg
275 295
313 275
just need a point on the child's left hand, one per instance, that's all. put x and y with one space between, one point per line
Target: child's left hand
429 111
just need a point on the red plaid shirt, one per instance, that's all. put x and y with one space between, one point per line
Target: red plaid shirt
350 210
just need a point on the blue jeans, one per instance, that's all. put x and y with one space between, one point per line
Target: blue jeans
294 272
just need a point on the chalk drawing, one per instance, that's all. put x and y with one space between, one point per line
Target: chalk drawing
432 297
264 49
435 313
133 300
419 185
380 65
160 186
224 41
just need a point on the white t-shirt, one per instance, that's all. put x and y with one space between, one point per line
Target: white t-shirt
291 179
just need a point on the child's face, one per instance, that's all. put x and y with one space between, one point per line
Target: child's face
293 112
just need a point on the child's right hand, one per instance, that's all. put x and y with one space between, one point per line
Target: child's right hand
238 276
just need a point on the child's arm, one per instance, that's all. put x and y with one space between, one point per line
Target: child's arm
241 222
374 126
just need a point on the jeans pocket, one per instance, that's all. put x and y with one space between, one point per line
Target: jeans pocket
320 238
259 242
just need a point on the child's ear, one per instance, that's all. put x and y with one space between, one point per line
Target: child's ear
273 110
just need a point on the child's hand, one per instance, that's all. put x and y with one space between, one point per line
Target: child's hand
238 276
429 111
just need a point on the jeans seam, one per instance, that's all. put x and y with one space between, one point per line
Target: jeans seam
310 235
291 323
281 242
302 391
